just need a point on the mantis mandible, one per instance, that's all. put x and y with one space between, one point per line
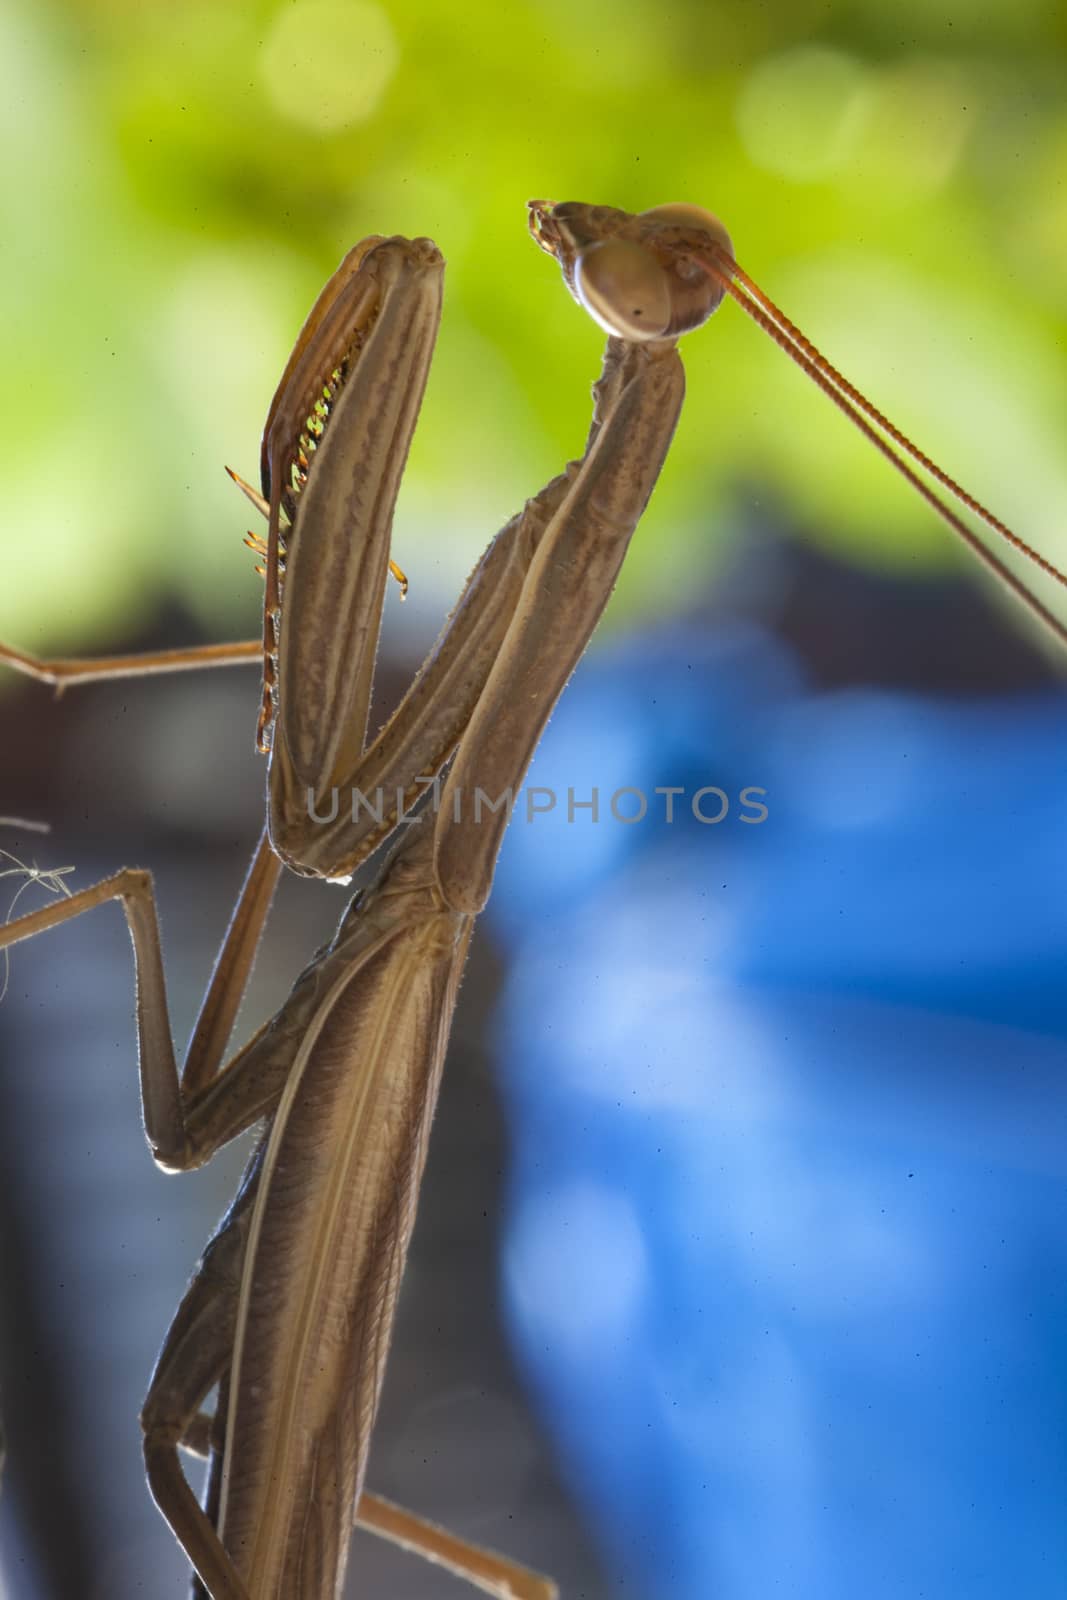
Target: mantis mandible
290 1311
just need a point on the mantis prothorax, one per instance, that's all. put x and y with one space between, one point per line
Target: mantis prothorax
291 1308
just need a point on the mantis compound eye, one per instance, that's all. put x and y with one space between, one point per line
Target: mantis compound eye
624 288
695 217
661 277
696 289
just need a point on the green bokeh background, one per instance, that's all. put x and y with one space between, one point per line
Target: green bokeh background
179 179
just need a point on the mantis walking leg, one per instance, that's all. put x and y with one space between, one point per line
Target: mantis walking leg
185 1124
63 671
186 1119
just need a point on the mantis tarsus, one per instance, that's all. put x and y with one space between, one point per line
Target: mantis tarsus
290 1311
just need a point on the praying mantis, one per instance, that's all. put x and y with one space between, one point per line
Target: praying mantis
290 1310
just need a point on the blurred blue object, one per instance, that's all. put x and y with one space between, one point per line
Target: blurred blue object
785 1253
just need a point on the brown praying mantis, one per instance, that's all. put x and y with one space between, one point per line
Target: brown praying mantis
290 1310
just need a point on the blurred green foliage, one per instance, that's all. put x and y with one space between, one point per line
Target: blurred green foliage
178 180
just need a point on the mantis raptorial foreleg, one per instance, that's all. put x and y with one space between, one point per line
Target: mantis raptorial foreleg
407 954
425 728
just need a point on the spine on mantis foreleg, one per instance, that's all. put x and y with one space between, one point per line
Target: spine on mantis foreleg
389 777
336 566
430 719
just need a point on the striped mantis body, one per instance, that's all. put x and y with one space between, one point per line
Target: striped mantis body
290 1311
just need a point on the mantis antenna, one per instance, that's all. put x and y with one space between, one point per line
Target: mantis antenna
642 280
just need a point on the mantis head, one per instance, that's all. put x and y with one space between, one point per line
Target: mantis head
656 275
662 273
